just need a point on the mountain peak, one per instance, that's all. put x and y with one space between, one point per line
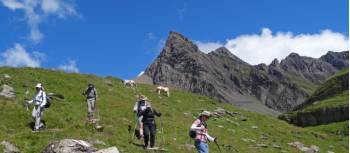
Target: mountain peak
293 55
275 62
179 43
223 51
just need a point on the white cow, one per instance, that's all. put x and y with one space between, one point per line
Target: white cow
129 83
161 89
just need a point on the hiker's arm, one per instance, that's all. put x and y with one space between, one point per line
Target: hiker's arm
44 101
157 113
95 94
195 126
84 92
209 137
135 108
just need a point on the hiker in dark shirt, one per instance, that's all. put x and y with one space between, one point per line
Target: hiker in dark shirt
91 98
149 125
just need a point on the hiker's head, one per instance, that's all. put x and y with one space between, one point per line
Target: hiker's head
205 115
39 86
142 97
90 85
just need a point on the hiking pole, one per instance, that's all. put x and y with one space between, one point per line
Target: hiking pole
218 146
161 126
133 132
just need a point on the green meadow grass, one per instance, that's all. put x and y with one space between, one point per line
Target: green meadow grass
66 119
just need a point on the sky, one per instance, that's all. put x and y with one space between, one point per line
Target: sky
121 38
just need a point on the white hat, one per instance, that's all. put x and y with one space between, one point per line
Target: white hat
143 97
39 85
205 113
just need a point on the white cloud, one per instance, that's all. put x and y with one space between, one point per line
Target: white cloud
35 11
18 57
71 66
181 11
150 36
207 47
160 45
264 47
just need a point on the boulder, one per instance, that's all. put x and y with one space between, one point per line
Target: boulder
9 147
69 146
108 82
301 147
7 91
108 150
6 76
76 146
276 146
261 145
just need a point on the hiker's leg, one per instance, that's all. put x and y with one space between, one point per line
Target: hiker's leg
206 148
201 146
141 125
89 109
153 134
34 118
146 133
93 107
41 125
37 118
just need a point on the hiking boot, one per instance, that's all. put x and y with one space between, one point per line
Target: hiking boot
35 130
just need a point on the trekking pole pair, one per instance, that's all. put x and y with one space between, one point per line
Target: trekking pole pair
216 142
132 131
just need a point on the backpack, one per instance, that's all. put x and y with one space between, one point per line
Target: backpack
193 133
91 93
48 102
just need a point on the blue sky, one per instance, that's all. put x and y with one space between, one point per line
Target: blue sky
121 38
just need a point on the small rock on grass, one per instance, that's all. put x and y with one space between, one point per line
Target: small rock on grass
261 145
9 147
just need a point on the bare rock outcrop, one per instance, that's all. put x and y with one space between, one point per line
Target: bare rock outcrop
280 86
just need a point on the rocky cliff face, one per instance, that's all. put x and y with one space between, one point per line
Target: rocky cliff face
339 60
318 117
221 75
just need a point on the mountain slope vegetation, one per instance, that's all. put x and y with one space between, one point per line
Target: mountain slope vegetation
329 103
243 130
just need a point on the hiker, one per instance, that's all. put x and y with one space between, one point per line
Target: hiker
201 136
149 125
91 99
138 108
39 101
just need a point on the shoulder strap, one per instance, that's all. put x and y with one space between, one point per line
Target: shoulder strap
42 95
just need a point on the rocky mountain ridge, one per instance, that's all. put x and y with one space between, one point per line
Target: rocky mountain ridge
280 86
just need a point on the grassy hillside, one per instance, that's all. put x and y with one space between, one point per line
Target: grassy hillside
328 103
338 100
66 119
334 86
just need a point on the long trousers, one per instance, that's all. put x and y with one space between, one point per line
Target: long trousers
149 132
